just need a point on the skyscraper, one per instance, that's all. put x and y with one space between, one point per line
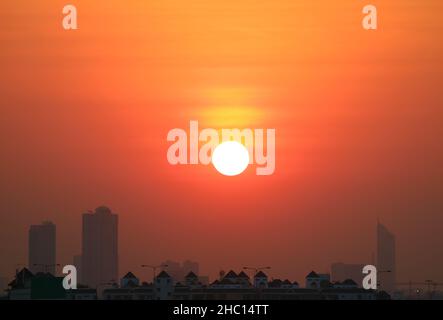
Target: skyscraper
41 255
100 247
386 259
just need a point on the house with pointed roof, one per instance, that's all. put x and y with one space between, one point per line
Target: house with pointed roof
229 280
20 287
260 274
260 280
191 275
275 283
312 280
316 281
164 286
243 279
231 275
22 279
129 280
192 280
312 274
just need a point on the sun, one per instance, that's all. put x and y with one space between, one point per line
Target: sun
230 158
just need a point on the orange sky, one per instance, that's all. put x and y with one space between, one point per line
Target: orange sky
358 115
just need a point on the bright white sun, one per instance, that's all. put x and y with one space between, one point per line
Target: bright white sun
230 158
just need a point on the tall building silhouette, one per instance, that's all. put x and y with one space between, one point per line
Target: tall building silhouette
99 247
386 267
41 246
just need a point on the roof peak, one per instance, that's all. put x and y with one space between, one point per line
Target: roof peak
130 275
312 274
260 274
191 274
163 274
231 274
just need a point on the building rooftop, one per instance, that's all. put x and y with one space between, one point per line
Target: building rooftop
21 277
102 210
349 282
312 274
191 275
129 275
231 274
163 274
260 274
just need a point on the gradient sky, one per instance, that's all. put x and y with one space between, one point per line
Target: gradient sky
358 115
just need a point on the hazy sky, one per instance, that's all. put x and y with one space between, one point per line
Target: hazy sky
358 116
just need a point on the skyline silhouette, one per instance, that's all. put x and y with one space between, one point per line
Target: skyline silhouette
98 265
98 276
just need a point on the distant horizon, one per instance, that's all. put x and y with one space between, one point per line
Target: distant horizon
210 275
